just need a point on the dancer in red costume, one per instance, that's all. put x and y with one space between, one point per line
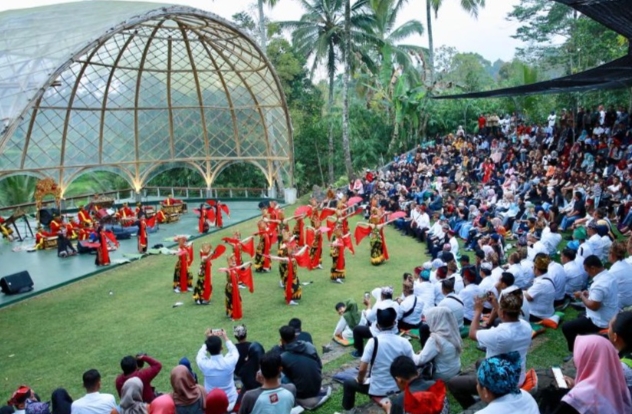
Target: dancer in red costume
262 255
339 243
182 278
103 255
379 252
143 240
234 276
290 257
216 208
204 287
246 245
314 239
204 219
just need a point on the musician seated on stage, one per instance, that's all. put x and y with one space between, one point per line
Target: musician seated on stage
83 217
170 201
41 236
6 231
126 215
55 225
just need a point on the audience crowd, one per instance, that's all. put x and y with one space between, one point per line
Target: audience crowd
543 212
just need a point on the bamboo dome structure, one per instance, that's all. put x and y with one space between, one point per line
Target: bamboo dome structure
136 89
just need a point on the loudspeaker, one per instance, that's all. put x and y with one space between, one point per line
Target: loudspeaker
20 282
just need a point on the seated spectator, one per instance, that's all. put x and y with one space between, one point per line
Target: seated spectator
93 402
184 361
443 347
513 334
300 335
497 385
218 369
542 294
384 298
557 274
188 397
133 367
20 398
408 380
468 294
349 318
60 401
551 238
301 366
521 279
423 288
452 301
599 385
622 273
162 405
601 302
620 335
411 307
216 402
389 346
272 396
132 397
241 335
576 278
248 372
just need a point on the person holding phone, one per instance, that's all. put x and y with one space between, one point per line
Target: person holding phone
218 369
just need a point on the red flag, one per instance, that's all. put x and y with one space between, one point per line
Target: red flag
245 277
249 246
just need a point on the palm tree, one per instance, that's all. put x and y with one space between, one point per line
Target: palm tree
319 35
470 6
345 93
263 38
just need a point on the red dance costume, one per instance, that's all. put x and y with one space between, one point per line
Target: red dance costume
204 287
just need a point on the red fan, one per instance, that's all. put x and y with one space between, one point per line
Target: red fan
303 210
396 215
353 201
324 229
219 250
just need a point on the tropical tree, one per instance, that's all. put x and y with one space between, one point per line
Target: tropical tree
319 35
263 37
470 6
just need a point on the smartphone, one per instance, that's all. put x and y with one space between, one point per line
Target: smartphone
483 295
217 332
367 295
559 377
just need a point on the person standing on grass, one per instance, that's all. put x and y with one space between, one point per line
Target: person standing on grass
133 367
601 302
93 402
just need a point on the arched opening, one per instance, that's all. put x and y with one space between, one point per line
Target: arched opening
175 174
17 189
96 182
240 175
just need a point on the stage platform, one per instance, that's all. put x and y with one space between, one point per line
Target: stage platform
49 271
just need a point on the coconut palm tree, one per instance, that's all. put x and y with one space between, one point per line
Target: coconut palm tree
319 35
263 37
470 6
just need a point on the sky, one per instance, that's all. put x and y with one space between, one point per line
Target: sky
489 35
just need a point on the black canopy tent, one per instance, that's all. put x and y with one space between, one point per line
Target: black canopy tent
614 14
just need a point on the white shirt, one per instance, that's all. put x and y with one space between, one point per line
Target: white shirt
453 302
93 403
550 240
425 291
543 294
423 221
458 282
488 285
371 315
538 247
622 272
218 370
407 304
389 347
519 278
454 246
468 296
527 274
604 290
576 277
447 362
605 247
522 403
583 252
558 275
596 245
507 337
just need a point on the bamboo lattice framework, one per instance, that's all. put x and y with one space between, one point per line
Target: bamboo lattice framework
137 89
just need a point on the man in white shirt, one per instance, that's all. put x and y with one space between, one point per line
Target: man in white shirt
558 275
452 301
551 238
601 301
622 272
576 278
469 293
93 402
411 308
218 369
384 298
513 334
387 346
594 240
542 294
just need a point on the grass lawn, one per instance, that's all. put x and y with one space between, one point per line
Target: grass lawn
50 340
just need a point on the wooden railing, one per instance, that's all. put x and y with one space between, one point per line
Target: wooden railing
147 194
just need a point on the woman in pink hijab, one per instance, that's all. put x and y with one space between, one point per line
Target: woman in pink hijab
599 386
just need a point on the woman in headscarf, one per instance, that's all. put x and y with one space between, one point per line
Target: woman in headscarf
349 319
61 401
162 405
187 395
132 397
599 385
497 385
248 372
444 346
216 402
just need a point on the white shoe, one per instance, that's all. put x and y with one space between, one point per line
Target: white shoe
293 303
242 287
281 285
340 281
176 290
319 267
190 289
